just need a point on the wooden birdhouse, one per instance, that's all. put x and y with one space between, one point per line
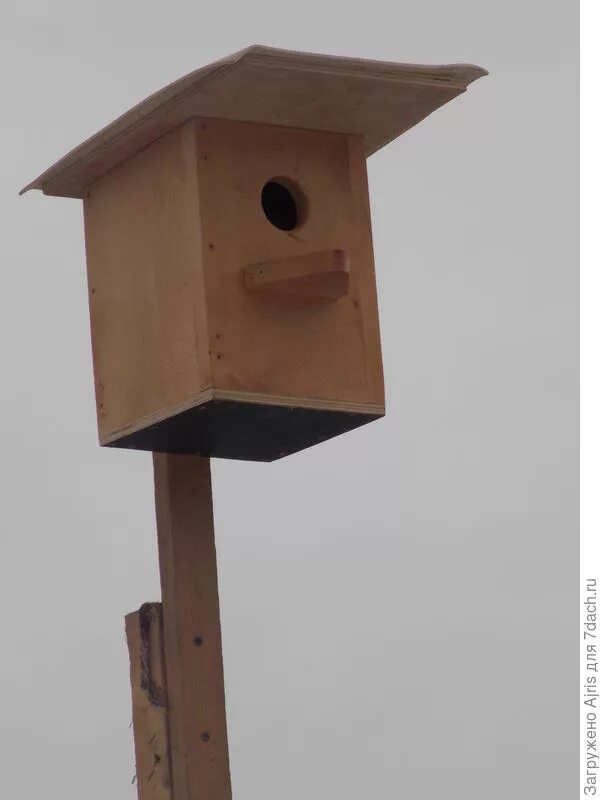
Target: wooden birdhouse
234 313
231 278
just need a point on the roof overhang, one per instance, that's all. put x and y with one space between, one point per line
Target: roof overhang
376 99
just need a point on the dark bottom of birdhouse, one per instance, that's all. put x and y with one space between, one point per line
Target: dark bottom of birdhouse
246 431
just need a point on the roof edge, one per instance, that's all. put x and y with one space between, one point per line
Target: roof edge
117 141
191 78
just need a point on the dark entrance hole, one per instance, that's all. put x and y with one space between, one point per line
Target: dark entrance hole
280 204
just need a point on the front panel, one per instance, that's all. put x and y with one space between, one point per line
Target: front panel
284 197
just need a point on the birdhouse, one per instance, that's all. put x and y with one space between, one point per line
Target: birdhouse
234 313
228 241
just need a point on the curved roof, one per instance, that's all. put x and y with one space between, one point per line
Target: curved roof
377 99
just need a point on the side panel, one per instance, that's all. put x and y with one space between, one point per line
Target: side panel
146 291
270 348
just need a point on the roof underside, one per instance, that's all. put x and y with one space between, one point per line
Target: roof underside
280 87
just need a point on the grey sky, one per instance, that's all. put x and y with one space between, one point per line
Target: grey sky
399 604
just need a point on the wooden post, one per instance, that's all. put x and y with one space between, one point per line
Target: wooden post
191 629
148 681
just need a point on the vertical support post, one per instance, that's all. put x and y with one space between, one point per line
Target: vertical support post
191 628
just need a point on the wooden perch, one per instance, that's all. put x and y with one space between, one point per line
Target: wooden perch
323 275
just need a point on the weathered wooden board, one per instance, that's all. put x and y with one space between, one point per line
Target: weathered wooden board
149 699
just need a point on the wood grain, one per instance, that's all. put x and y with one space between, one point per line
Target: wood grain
192 631
148 689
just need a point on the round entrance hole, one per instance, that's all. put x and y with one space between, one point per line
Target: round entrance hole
282 203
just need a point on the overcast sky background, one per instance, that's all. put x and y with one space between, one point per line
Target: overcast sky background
399 605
